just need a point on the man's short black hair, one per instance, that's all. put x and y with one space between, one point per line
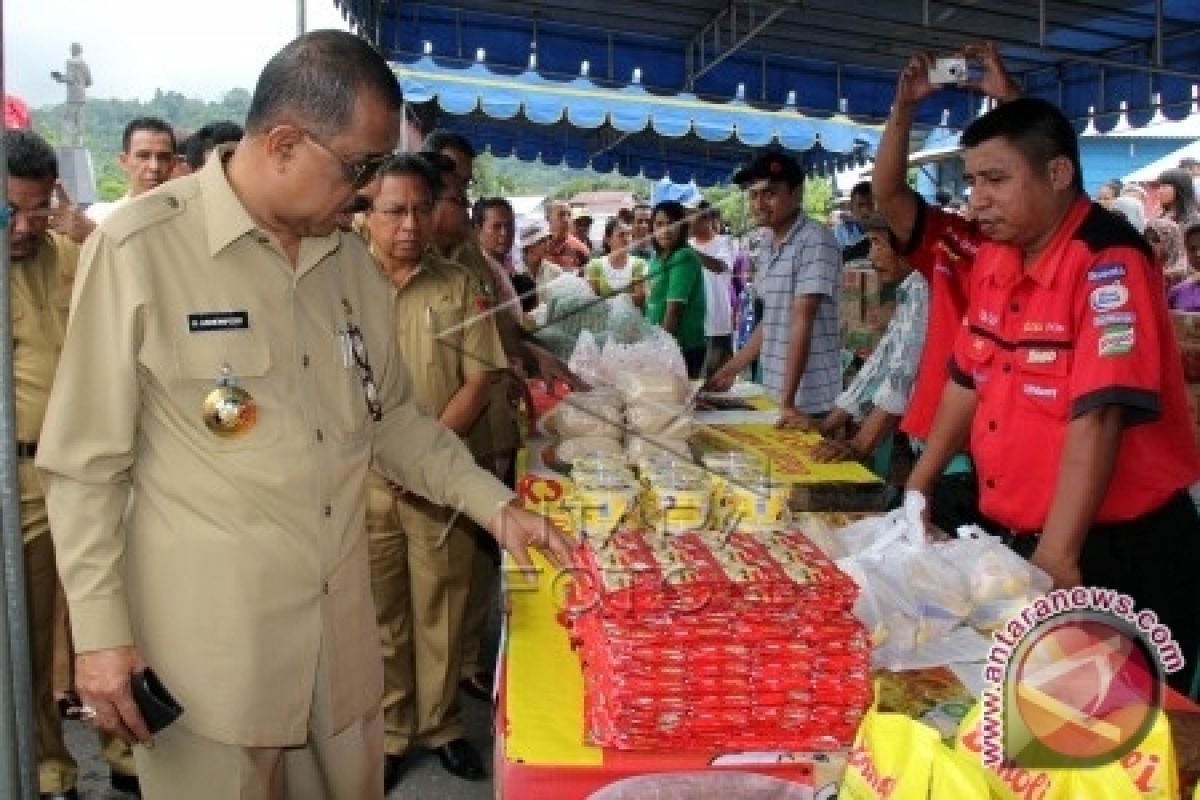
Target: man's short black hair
200 144
441 140
29 156
525 288
417 165
861 189
316 81
153 124
483 204
1034 127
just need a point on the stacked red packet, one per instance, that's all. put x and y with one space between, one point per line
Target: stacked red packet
713 641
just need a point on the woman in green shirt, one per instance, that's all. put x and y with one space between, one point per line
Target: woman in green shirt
618 271
676 299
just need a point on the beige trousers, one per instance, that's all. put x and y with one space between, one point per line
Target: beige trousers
421 560
345 766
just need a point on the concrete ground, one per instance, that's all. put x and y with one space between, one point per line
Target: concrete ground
424 780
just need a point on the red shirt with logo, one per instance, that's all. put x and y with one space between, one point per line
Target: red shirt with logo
942 248
1084 326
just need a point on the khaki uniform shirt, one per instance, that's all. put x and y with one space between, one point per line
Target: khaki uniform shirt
41 298
496 432
235 563
444 333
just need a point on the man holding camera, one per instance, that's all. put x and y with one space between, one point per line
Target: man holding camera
1065 374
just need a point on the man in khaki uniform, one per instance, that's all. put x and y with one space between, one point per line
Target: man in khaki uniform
421 553
236 354
42 270
494 439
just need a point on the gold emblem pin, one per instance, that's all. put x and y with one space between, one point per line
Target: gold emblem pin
229 410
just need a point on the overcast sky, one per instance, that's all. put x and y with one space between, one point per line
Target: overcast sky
200 48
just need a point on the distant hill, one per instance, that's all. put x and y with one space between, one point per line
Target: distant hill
105 120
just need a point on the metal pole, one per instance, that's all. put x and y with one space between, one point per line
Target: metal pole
17 757
1158 33
301 22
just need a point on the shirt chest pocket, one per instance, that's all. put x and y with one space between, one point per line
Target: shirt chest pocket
208 364
1043 381
447 325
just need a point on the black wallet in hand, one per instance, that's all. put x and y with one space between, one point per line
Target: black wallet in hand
158 708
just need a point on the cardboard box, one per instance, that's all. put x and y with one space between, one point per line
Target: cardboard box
1191 361
850 310
1193 397
1187 326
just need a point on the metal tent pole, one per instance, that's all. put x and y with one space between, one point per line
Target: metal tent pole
301 22
17 769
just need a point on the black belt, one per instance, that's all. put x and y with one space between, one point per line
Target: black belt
27 450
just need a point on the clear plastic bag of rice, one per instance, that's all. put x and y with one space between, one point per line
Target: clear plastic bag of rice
595 413
642 447
664 421
583 447
661 388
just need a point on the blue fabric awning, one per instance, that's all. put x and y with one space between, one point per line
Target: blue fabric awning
834 55
626 128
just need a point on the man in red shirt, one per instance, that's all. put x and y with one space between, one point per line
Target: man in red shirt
1068 380
941 246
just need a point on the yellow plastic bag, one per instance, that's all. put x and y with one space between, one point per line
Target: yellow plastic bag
892 758
1148 772
955 777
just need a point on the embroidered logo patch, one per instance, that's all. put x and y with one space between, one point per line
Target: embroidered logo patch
1114 318
1116 341
1109 298
1033 390
1106 272
1042 356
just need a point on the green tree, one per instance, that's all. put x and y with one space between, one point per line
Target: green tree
818 197
489 180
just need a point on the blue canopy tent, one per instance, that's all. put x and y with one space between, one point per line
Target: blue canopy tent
627 129
835 55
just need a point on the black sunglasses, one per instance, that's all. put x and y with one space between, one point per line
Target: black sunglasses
357 173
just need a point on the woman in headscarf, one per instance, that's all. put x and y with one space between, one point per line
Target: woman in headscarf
1166 238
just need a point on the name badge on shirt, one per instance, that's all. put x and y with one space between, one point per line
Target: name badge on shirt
208 321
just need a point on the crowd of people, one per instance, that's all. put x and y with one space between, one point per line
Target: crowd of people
1168 216
275 447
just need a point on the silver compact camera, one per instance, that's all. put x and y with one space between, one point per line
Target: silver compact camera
948 70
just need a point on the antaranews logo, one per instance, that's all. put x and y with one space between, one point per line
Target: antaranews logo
1074 680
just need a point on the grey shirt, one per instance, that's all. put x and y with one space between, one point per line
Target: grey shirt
807 261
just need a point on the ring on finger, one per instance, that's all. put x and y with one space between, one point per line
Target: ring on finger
83 712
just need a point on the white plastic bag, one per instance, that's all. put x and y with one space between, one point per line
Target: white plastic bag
999 582
595 413
656 354
910 596
585 359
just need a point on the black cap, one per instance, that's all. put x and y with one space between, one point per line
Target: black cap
440 162
771 166
874 222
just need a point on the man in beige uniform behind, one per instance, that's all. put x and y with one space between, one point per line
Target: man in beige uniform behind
40 280
420 552
234 354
